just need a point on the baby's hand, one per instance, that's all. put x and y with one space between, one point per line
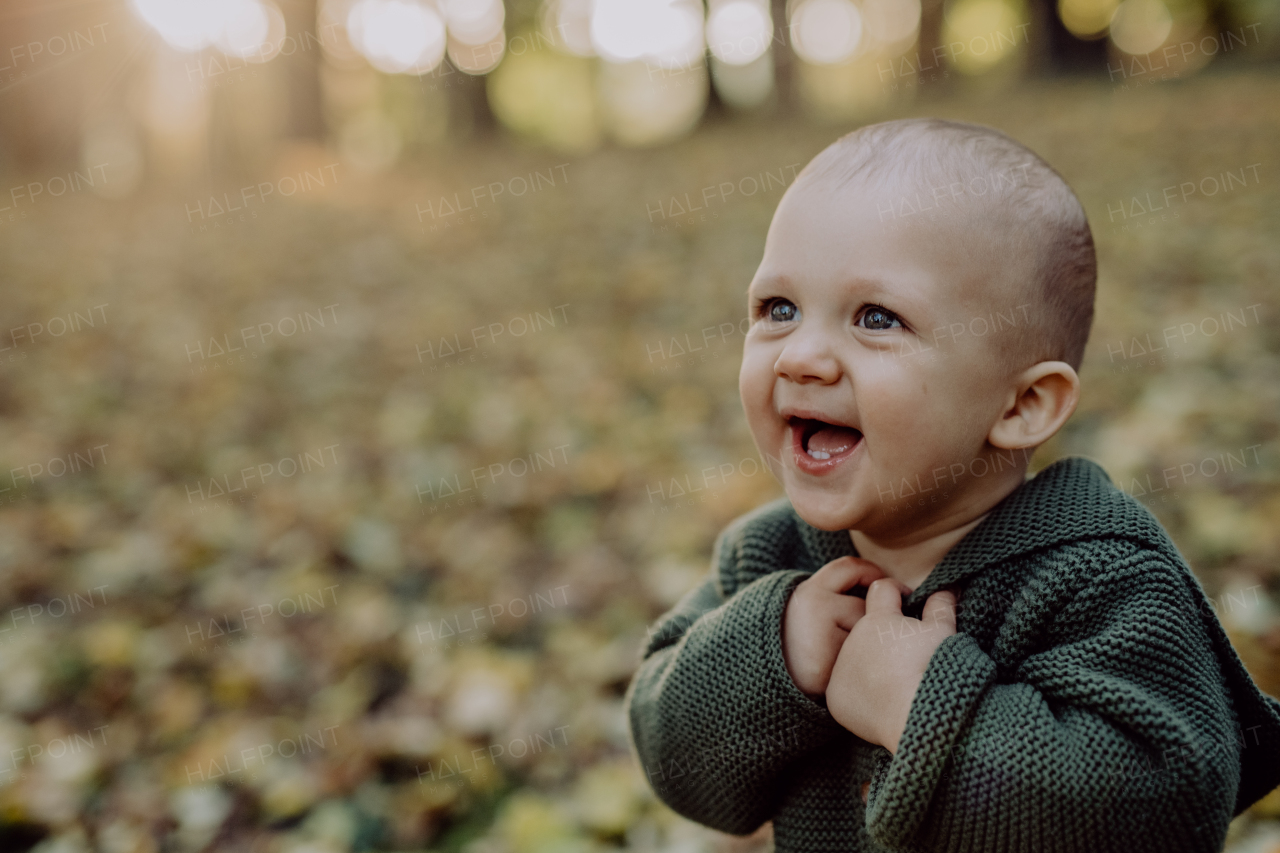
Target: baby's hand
819 617
883 661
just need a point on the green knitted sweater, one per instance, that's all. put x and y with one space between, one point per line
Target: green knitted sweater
1089 701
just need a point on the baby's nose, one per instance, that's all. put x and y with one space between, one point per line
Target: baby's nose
808 359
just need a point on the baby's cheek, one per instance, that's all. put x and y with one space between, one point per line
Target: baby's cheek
898 416
752 379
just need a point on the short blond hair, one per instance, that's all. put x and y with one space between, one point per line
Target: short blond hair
1033 211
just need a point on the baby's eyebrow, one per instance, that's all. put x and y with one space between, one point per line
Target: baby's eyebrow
874 284
898 296
769 282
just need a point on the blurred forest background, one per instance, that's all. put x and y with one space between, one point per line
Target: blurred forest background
368 375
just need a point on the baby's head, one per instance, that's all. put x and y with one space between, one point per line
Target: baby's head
917 321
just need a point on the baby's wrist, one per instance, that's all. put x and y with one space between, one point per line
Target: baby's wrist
895 721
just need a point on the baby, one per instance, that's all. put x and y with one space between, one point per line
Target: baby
1033 667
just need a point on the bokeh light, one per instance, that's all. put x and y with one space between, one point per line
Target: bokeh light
245 27
185 25
477 58
643 108
1087 19
271 44
474 21
980 34
547 96
567 24
667 33
331 18
850 91
1140 26
397 36
241 28
826 32
739 31
743 87
175 116
894 23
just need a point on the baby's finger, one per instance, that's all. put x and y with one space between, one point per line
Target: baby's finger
867 572
845 573
941 608
885 596
849 609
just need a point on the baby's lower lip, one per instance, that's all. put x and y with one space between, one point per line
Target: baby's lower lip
809 464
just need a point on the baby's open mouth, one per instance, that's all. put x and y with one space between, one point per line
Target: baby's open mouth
821 440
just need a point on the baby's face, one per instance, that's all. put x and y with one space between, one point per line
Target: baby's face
872 327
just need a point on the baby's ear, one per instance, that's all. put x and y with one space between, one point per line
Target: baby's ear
1042 398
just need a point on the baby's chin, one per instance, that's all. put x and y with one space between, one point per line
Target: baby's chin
825 513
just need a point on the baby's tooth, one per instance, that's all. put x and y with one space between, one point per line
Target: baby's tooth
819 454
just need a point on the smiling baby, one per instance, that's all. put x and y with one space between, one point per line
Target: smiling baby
1032 666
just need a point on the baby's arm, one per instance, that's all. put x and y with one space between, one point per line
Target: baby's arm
715 716
1119 736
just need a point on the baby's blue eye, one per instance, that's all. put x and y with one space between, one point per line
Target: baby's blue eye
877 318
779 310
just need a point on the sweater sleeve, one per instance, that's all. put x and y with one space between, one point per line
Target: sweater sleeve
715 717
1119 736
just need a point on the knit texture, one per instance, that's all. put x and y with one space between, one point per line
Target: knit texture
1089 701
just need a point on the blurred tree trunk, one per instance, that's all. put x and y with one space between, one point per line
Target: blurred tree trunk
38 127
306 114
930 37
784 59
470 106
